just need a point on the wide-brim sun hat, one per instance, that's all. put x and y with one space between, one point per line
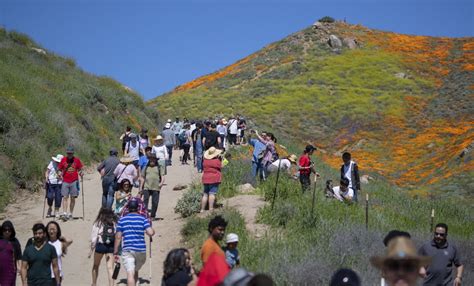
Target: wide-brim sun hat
126 159
400 248
58 158
158 138
212 153
292 158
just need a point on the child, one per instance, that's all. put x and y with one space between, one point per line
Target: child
231 253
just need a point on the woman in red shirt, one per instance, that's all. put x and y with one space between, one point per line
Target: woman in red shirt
211 177
305 167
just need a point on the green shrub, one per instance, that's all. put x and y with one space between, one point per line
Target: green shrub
189 203
326 19
21 38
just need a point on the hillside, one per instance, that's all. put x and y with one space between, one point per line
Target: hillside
402 104
49 103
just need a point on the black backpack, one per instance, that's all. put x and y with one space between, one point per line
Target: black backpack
108 234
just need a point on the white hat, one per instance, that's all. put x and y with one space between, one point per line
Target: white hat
168 125
232 237
169 121
58 158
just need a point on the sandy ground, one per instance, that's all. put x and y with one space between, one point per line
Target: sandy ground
76 265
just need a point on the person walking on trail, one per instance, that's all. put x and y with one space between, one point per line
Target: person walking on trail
186 140
212 138
222 130
257 156
169 140
284 164
161 153
144 159
198 149
211 177
401 263
38 259
178 269
444 256
216 229
106 170
133 148
102 243
306 167
71 168
143 140
126 170
60 244
125 137
151 183
10 256
233 128
132 228
343 192
53 185
176 128
123 194
350 170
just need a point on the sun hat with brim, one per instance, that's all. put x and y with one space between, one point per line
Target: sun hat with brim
158 138
212 153
58 158
400 248
292 158
126 159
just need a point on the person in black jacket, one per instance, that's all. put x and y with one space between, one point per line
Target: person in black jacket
350 170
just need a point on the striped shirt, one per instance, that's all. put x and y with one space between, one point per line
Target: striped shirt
132 227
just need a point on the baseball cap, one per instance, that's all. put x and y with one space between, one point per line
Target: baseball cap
345 277
113 151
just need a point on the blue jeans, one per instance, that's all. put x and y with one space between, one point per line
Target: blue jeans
54 194
108 192
258 169
199 159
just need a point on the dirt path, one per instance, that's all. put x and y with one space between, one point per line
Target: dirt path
76 265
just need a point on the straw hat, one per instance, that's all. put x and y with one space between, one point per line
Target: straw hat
126 159
58 158
158 138
292 158
400 248
212 153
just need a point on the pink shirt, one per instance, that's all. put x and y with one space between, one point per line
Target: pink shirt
212 171
130 173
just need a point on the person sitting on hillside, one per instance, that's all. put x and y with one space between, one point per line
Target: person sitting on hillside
350 170
343 192
284 164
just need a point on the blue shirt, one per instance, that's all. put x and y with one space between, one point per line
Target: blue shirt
132 227
258 147
142 162
232 257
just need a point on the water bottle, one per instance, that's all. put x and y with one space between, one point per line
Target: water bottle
116 271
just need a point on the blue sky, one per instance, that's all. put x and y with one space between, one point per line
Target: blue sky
153 46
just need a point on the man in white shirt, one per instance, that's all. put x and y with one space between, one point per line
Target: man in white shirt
233 129
343 193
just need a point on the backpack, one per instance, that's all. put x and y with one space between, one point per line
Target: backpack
182 136
108 234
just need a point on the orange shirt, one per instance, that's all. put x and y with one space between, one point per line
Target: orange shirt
209 247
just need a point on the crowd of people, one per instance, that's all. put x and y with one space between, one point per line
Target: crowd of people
125 220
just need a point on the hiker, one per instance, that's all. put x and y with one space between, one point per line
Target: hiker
10 257
306 167
212 138
38 259
343 192
169 140
131 228
211 177
106 170
216 229
186 140
126 170
143 140
144 159
350 170
192 126
151 183
232 127
257 156
133 148
60 244
125 137
71 168
389 237
345 277
178 269
284 164
222 130
444 255
102 243
53 185
242 126
401 263
231 252
122 195
176 128
198 149
161 153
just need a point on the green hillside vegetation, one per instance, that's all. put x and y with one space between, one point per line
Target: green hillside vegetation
49 103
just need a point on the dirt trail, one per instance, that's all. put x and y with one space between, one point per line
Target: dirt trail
76 265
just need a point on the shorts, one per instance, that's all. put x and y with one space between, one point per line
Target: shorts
211 189
133 261
69 189
103 248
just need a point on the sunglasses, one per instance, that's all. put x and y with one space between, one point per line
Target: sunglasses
403 265
440 234
7 229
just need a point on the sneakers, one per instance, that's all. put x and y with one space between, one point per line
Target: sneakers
49 213
57 216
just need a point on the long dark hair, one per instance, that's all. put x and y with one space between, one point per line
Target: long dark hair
105 216
58 236
8 224
174 262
